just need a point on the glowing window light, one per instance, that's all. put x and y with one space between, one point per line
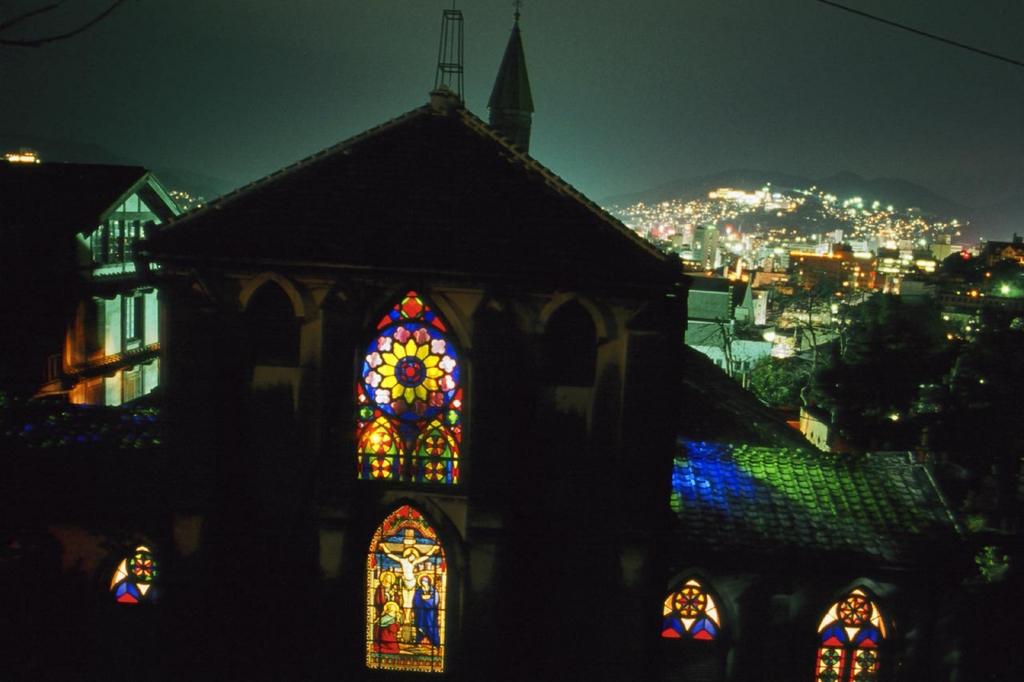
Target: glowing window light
409 399
136 578
406 595
851 632
690 613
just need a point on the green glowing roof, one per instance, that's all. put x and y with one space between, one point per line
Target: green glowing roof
881 506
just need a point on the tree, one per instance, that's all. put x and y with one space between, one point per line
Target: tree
893 348
11 24
778 382
808 310
981 428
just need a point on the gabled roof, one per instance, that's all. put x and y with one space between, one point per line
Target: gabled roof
71 197
717 408
737 288
719 285
884 507
512 86
433 191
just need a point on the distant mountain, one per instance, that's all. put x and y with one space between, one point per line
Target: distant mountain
698 187
900 193
1000 221
70 151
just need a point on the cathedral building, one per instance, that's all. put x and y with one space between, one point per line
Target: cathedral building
436 352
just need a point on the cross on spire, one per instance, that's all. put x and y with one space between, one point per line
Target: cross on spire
518 4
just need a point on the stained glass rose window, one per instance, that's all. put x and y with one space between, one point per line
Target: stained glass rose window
410 372
409 398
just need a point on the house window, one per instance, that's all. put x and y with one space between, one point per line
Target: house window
98 242
570 347
93 328
136 578
131 385
115 241
131 231
690 613
134 314
850 636
409 399
406 595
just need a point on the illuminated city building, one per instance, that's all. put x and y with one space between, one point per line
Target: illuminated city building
704 248
101 339
838 269
714 307
22 156
997 251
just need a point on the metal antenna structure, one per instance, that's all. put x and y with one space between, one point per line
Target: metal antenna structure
449 52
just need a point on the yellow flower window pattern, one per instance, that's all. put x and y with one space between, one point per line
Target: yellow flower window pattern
409 399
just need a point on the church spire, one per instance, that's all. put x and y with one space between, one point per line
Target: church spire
511 103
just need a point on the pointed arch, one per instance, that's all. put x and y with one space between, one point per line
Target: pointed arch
570 346
272 324
410 391
380 451
691 612
850 635
298 304
136 578
406 595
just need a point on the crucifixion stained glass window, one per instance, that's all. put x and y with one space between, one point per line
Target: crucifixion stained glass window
135 579
406 595
409 399
690 613
851 632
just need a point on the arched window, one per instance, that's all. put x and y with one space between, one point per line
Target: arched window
409 399
570 347
690 613
850 632
136 578
406 595
272 326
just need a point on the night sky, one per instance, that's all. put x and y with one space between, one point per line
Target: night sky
628 95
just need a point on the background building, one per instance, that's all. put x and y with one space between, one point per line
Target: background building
88 327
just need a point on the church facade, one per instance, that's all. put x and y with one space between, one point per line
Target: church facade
441 363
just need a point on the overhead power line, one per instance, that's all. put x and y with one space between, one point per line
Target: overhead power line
919 32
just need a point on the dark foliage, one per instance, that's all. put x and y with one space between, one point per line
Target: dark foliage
893 348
